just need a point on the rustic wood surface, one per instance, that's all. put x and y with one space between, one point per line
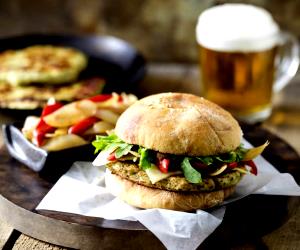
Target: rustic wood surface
285 122
22 189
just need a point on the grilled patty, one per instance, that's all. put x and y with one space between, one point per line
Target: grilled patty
132 172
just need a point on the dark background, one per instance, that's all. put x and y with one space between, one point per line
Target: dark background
163 30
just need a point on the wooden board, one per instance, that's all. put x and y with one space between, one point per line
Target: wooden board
21 190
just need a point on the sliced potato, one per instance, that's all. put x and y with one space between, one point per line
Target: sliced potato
128 99
57 132
111 102
63 142
114 104
29 125
71 113
99 128
107 116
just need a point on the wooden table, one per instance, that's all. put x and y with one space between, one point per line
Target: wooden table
285 122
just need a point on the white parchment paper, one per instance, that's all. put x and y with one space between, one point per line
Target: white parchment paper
82 191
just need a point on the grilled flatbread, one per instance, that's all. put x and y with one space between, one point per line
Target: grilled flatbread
41 64
36 96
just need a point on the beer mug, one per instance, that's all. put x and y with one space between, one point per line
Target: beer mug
244 58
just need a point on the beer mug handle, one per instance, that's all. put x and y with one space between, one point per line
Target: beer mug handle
287 61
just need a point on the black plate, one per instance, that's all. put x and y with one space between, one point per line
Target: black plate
50 165
109 57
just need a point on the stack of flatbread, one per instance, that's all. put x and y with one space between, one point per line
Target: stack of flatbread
30 76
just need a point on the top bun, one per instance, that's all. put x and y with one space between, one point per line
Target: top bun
180 124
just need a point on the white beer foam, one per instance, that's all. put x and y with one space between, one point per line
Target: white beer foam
237 27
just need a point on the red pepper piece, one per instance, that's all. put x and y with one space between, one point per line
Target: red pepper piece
253 168
80 127
100 98
112 157
199 165
43 128
232 165
164 165
50 108
120 98
40 131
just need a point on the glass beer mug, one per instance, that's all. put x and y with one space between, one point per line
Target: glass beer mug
244 58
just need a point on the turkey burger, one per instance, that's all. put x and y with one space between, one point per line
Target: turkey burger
174 151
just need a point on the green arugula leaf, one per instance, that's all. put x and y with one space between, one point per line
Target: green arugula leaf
208 160
233 156
123 149
145 158
241 152
227 158
148 158
111 147
191 174
102 142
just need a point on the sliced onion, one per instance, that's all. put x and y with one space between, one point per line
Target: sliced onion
219 170
134 153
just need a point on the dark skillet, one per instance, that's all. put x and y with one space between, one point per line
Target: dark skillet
111 58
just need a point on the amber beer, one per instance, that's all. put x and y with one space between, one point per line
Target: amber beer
237 48
241 82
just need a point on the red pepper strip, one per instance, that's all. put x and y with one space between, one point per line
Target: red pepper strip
120 98
199 165
252 165
232 165
50 108
40 131
164 165
80 127
112 157
43 128
100 98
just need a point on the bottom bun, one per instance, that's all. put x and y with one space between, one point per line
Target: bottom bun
145 197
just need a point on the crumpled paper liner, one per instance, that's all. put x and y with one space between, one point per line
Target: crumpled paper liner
82 191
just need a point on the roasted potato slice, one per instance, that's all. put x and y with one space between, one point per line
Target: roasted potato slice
58 132
107 115
99 128
71 114
63 142
29 125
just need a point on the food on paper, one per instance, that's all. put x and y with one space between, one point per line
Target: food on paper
175 151
64 126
